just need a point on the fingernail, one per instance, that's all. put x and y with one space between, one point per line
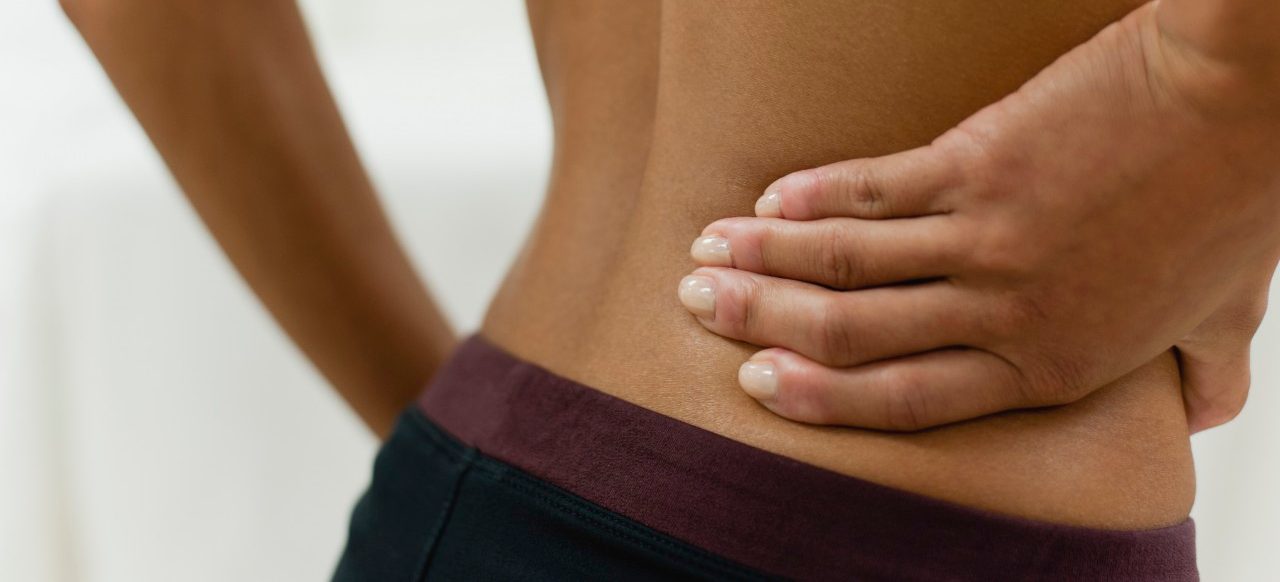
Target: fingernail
698 294
759 380
712 251
770 205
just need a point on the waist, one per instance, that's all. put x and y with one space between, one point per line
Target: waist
757 508
1118 459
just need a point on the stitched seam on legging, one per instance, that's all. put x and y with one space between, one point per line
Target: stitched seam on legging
585 510
433 540
445 444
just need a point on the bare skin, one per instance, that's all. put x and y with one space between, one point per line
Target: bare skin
745 94
667 119
1122 202
235 102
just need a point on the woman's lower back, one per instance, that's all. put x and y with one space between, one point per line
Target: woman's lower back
671 116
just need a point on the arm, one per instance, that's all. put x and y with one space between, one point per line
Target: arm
231 95
1121 203
1235 33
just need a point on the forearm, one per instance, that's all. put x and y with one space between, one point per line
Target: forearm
235 102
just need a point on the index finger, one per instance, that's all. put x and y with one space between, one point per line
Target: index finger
907 184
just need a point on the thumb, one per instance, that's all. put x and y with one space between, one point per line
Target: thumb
1215 383
1214 358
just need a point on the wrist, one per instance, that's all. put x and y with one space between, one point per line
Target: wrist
1215 56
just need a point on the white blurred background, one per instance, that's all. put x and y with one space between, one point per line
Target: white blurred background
155 425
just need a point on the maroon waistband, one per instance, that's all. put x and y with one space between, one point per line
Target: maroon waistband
763 510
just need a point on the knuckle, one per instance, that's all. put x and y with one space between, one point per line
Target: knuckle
858 186
741 301
904 404
836 265
832 338
990 172
1015 315
750 296
968 141
952 158
1003 250
1053 382
765 246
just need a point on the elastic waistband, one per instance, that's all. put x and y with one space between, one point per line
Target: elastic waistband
760 509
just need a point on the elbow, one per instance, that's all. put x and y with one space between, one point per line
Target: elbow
80 12
74 10
71 8
85 14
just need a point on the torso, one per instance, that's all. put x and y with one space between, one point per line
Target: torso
670 115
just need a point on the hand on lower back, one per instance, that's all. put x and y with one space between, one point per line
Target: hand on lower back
1123 202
